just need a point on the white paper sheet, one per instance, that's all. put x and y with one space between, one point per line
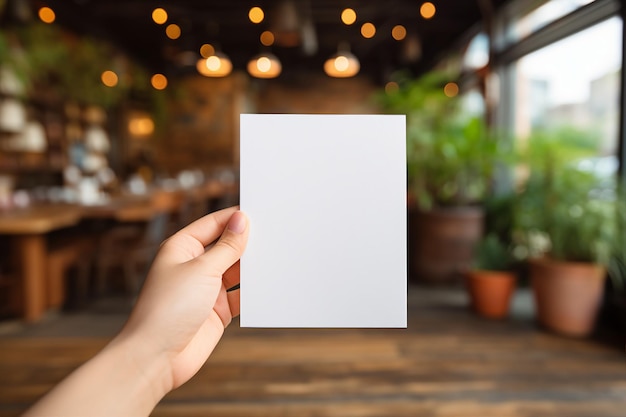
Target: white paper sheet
326 198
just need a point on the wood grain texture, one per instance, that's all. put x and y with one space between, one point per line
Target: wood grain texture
447 363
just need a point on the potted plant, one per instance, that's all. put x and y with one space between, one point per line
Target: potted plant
566 221
491 280
450 162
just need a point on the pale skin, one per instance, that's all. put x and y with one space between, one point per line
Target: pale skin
178 320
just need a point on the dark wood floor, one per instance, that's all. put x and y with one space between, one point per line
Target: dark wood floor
447 363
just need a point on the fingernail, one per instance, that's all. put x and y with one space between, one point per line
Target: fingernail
237 222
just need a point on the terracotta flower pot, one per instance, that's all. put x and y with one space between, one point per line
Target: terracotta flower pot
442 242
490 292
567 295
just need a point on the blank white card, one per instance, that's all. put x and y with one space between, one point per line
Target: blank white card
326 199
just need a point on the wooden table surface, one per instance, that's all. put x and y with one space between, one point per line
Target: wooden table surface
28 227
39 219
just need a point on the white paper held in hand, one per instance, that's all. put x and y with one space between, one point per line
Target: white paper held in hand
326 199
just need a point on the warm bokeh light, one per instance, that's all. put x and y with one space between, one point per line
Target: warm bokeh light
173 31
391 87
159 16
427 10
398 32
368 30
267 38
348 16
47 15
158 81
207 50
218 65
342 65
141 126
256 15
109 78
202 68
213 63
451 89
265 66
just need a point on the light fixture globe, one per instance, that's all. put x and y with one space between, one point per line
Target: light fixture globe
342 65
265 65
216 65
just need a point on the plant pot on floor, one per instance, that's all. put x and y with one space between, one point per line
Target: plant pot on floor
490 292
443 242
567 295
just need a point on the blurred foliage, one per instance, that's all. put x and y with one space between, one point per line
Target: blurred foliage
493 254
562 210
43 55
451 156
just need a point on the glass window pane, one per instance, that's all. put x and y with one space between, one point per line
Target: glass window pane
477 54
573 85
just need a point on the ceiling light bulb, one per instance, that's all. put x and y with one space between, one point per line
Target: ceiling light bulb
342 65
159 16
173 31
267 38
256 15
427 10
158 81
217 65
213 63
368 30
47 15
207 50
265 66
109 78
348 16
398 32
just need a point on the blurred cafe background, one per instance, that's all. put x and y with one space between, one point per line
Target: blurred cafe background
119 125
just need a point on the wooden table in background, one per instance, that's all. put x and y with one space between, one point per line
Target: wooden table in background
27 229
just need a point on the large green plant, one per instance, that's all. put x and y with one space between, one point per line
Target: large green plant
450 156
45 55
564 211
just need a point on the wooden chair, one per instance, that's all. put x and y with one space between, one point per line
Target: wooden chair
131 247
71 252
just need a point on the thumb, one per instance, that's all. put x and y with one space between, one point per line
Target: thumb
228 248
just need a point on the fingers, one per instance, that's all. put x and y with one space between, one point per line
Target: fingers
228 249
231 279
190 241
231 276
222 308
234 302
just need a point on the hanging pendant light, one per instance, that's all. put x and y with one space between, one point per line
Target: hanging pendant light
216 65
265 65
342 65
12 115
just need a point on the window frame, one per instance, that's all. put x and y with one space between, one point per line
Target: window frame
570 24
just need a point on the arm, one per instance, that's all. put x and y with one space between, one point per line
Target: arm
179 318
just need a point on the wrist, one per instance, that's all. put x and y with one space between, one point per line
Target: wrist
148 368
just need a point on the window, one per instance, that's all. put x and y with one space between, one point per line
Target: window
572 84
522 19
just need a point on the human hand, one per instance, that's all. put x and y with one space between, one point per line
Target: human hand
184 306
179 317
